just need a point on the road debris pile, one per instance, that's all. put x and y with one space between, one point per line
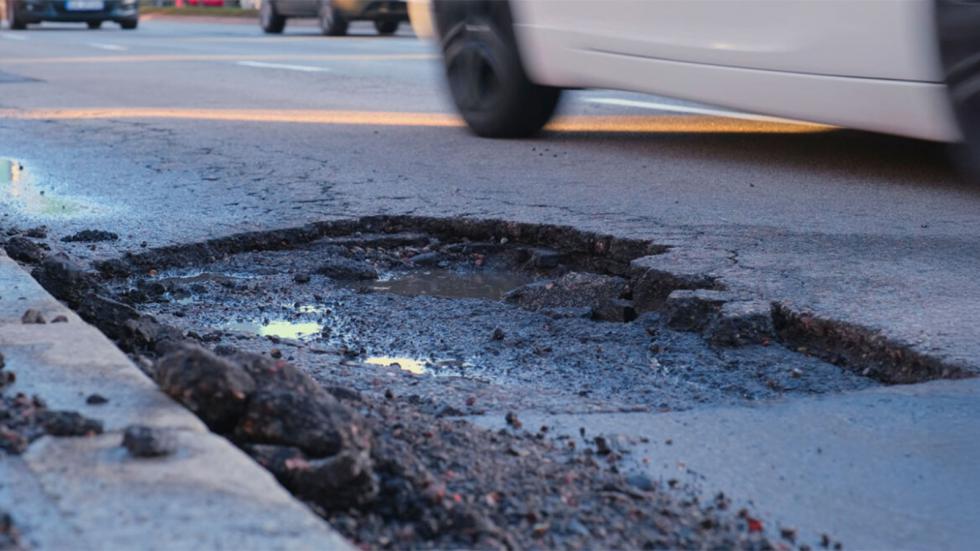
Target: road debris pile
24 419
318 448
389 476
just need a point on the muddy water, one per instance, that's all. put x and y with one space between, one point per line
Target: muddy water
447 283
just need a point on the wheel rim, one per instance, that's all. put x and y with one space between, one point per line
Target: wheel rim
326 18
474 77
266 14
959 47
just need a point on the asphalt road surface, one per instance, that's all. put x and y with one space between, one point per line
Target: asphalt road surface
184 130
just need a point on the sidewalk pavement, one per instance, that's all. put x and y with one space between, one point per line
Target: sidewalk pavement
88 492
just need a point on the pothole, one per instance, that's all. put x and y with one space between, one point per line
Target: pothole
584 330
446 315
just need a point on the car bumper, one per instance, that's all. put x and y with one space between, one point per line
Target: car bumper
56 10
374 9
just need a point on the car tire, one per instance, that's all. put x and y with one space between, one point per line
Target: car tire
332 22
16 22
270 21
488 83
94 24
959 46
386 27
129 24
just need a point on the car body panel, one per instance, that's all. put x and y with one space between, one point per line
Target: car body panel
867 64
862 38
906 108
351 9
35 11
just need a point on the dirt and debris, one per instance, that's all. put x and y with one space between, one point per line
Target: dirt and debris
96 399
389 476
143 441
24 419
91 236
280 415
25 250
574 289
32 316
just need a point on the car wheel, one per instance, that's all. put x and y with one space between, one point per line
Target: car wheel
16 22
94 24
488 83
959 46
332 22
129 24
270 21
386 27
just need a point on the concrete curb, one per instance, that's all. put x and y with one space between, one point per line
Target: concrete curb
89 493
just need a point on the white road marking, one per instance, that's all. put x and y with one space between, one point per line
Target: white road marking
689 109
13 36
302 68
111 47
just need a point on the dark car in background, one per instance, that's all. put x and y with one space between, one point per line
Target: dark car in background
21 13
334 15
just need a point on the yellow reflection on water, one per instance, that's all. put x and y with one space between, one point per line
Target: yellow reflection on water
415 367
284 329
289 329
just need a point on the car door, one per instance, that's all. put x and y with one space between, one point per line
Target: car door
862 38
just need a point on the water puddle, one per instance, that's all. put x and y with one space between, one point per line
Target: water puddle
18 186
419 367
447 283
415 367
283 329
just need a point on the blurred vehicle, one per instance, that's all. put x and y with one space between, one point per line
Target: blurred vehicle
904 67
21 13
334 15
206 3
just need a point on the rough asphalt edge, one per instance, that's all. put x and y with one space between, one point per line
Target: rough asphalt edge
88 493
696 288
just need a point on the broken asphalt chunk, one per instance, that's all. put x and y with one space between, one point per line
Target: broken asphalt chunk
210 386
143 441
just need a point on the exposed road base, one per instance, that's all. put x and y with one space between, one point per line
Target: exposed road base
659 279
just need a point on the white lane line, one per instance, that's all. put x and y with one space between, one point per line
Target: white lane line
12 36
689 109
303 68
110 47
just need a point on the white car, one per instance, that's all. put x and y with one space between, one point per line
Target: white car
904 67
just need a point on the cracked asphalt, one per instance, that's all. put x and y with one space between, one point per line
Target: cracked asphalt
183 131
